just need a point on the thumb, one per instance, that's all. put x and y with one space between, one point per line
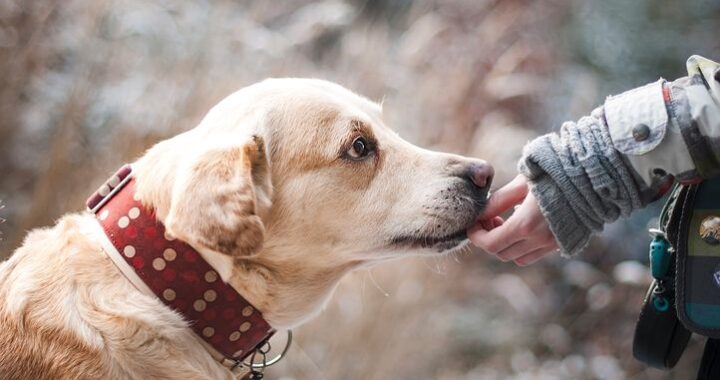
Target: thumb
506 197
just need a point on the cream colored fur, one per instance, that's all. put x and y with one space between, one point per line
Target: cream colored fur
264 189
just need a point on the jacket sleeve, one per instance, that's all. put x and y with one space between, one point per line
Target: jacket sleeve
670 127
626 153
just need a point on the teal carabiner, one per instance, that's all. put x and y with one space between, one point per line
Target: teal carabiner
659 255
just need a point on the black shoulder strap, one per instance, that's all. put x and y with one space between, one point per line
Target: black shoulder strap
710 363
660 338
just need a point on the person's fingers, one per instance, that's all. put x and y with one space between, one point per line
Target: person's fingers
497 221
489 224
534 256
505 197
522 248
495 240
486 224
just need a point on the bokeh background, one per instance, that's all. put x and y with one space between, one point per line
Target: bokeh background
87 85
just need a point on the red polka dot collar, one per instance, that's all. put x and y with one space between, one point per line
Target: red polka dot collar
175 273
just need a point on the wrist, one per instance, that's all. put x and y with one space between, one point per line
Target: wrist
570 232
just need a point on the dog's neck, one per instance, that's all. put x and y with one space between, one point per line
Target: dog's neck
284 287
282 283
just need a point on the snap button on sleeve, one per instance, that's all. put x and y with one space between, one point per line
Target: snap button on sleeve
637 119
641 132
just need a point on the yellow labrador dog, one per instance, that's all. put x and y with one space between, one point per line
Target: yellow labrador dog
284 187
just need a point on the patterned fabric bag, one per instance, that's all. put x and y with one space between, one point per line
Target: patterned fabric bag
685 295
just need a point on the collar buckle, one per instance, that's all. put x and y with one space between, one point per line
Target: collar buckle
108 189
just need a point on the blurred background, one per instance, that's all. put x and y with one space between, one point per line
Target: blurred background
87 85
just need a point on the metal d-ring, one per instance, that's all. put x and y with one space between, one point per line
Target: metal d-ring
274 360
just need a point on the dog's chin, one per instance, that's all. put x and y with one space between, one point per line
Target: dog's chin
453 246
439 244
444 243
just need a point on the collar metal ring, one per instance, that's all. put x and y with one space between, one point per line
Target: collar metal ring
273 360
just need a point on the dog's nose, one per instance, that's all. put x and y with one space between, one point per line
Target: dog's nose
480 173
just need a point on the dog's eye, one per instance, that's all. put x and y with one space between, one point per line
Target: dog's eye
359 148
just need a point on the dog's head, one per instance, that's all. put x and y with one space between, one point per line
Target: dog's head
304 173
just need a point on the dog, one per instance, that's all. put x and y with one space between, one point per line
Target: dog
284 187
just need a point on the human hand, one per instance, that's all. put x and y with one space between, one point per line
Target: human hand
524 237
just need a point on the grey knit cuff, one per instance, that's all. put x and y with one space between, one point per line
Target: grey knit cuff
570 233
580 181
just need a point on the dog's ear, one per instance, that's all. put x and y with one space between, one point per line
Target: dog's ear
219 197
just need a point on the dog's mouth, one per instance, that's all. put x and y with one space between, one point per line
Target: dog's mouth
439 243
454 233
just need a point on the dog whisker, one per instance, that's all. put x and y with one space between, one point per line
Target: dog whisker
372 278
